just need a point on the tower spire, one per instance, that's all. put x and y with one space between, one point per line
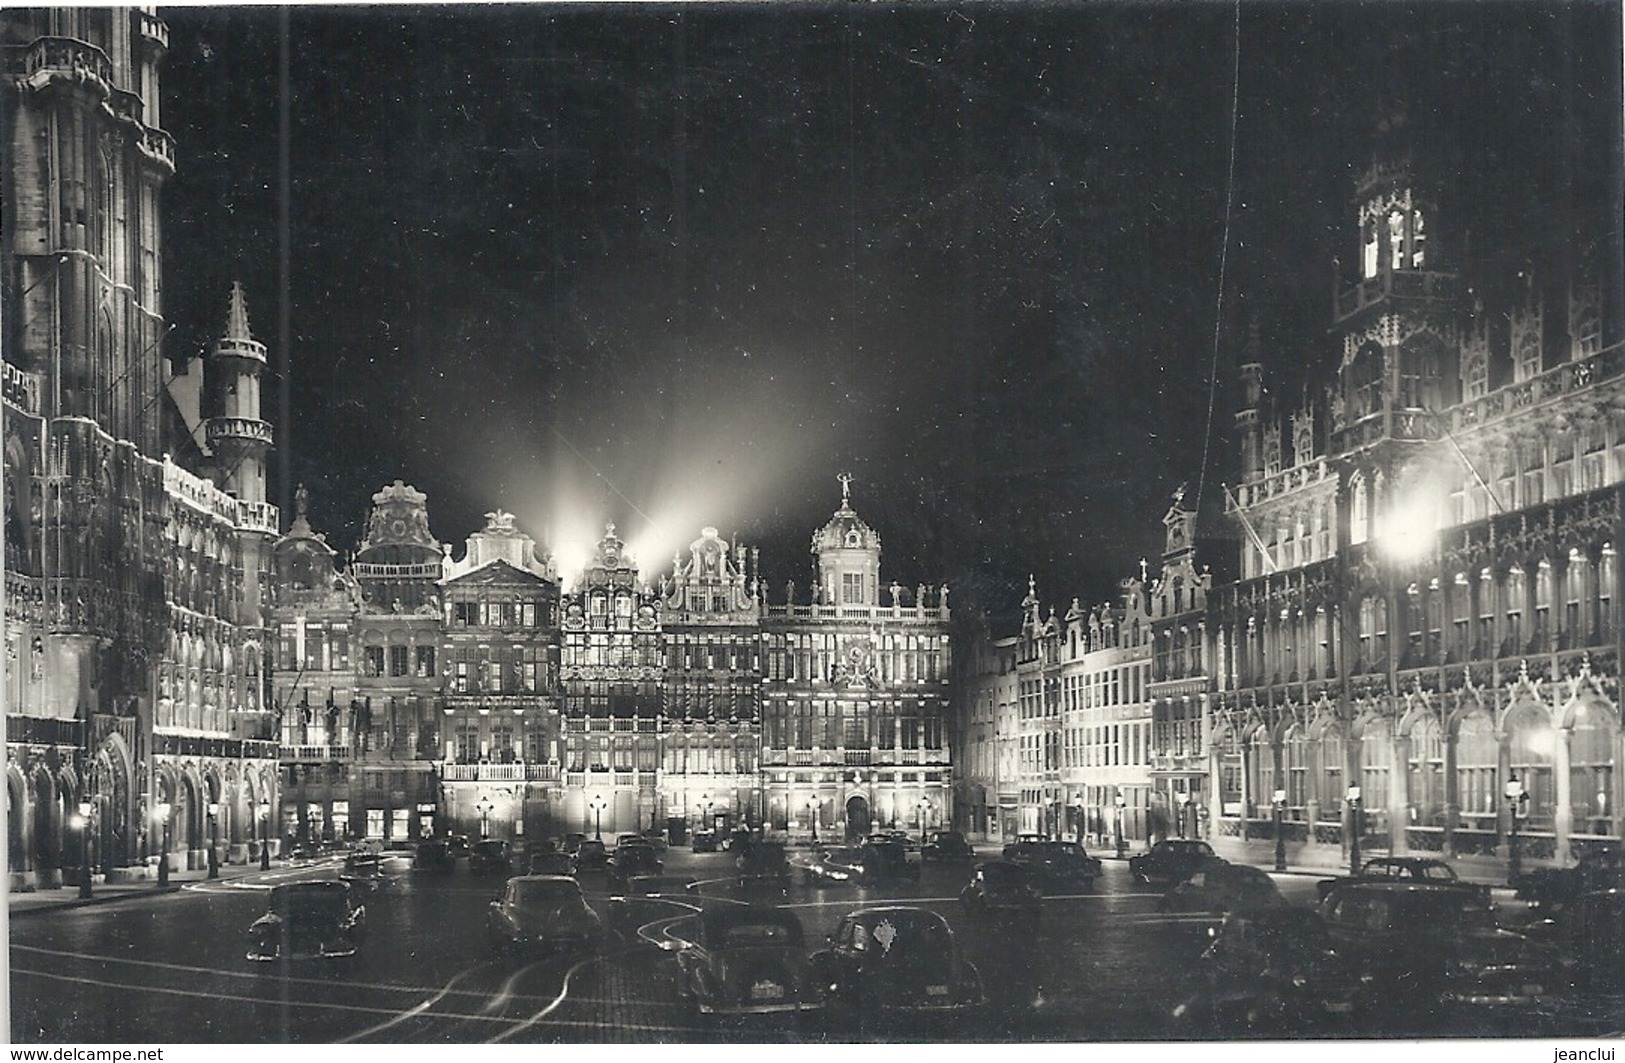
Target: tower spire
237 315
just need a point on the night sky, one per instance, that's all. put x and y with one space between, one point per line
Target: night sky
681 265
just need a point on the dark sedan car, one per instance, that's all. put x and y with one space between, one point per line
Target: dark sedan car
1171 861
1061 865
591 855
490 857
1556 887
896 960
759 859
888 862
1428 945
552 862
947 845
1397 868
746 960
308 920
542 911
1220 887
1272 969
433 856
630 861
705 841
1002 886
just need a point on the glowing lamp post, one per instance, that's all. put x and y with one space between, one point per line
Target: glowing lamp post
81 822
265 835
160 813
1517 800
484 807
1355 826
1183 799
924 806
598 804
1121 803
214 839
705 803
1077 818
1280 834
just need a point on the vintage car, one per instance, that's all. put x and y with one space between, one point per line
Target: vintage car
572 841
757 859
433 855
1061 865
459 844
542 912
1171 861
656 838
1554 887
837 865
1222 887
308 920
1426 945
1003 886
552 862
745 960
368 873
888 862
947 845
1391 868
591 855
490 857
704 841
1273 969
896 959
632 860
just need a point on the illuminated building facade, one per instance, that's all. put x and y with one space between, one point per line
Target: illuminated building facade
855 696
984 739
499 722
136 523
1424 643
1179 684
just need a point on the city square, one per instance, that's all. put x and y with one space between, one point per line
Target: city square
761 508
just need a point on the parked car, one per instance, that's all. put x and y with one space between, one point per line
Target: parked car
704 841
1427 944
459 845
1273 969
308 920
837 865
888 862
762 859
746 960
947 845
1062 865
1171 861
1220 887
542 911
366 873
630 860
433 856
572 841
552 862
656 838
896 959
630 838
1003 886
591 855
1554 887
490 857
1402 868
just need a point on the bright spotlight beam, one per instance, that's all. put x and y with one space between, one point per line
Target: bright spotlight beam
607 482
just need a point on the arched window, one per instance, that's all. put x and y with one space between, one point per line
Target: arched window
1425 774
1359 510
1476 755
1376 775
1531 741
1591 770
1331 784
1295 761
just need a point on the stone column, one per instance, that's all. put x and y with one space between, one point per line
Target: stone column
1563 814
1452 796
1399 796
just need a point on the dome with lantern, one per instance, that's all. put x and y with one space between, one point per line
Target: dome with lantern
848 553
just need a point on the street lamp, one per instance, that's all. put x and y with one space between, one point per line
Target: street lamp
160 812
484 807
1077 818
82 822
1121 803
598 804
265 835
214 839
1280 835
706 803
924 806
812 811
1355 827
1183 799
1517 799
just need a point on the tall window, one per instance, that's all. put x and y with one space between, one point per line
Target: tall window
1591 771
1425 774
851 588
398 658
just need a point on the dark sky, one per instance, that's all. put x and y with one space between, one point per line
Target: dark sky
681 265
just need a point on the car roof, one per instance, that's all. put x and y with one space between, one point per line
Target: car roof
326 885
544 878
898 912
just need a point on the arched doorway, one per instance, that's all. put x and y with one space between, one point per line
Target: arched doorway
857 818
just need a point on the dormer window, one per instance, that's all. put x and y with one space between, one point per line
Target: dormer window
853 540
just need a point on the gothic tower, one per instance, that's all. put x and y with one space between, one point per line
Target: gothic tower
236 433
